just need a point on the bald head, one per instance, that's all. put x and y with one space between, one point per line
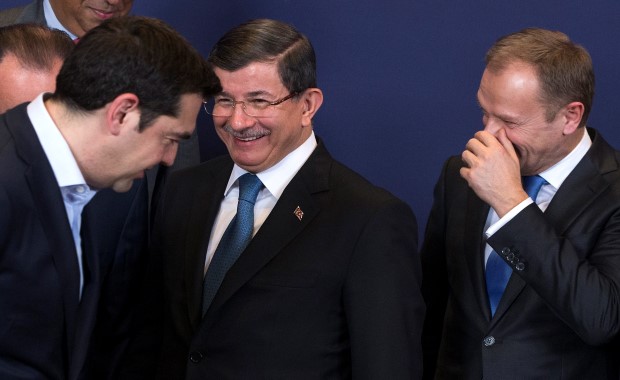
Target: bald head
30 58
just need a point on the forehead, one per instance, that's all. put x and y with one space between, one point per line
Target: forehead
14 75
253 78
508 84
183 125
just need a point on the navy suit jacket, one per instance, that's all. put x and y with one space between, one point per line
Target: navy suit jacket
45 330
561 308
331 295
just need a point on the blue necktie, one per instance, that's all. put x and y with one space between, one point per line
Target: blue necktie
236 237
75 198
498 271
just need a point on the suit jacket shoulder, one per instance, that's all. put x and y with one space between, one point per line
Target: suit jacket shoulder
32 12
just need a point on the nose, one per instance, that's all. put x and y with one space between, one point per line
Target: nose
170 154
492 126
239 119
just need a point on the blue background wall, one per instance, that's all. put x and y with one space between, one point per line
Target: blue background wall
400 76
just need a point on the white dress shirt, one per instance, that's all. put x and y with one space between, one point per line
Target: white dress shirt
52 20
64 166
275 179
554 176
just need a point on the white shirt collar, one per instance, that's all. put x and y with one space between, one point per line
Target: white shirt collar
52 20
556 174
277 177
54 145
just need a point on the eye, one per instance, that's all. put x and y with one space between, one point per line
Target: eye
224 102
510 123
258 103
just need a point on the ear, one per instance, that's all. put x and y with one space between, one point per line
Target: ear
122 112
572 113
312 99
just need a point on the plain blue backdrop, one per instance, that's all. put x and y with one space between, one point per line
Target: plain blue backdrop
400 77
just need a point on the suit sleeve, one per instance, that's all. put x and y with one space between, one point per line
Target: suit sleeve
382 299
435 276
577 274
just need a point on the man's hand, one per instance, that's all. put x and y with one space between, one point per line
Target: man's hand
493 171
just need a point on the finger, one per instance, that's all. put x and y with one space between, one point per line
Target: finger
475 146
486 138
469 158
464 171
507 144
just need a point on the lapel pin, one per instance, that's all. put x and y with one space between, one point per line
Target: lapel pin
298 213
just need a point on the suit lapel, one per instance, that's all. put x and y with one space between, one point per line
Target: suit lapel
477 212
282 225
205 207
582 186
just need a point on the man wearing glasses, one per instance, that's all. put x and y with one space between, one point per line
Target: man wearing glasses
278 261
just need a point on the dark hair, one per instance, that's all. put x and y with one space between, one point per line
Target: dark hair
137 55
35 46
564 68
265 40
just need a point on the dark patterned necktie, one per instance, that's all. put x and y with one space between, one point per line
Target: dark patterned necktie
235 239
498 271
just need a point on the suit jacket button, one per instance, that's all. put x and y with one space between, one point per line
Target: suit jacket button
489 341
196 357
520 266
505 251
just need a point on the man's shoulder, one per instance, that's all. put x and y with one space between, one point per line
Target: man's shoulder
22 14
214 166
350 187
10 16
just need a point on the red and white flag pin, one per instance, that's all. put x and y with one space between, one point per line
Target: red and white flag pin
298 213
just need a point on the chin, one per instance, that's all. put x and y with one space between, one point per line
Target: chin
122 186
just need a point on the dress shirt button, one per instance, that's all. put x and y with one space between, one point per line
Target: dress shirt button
196 357
489 341
80 189
520 266
505 251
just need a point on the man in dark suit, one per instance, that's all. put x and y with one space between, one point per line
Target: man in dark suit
76 17
524 284
328 286
70 266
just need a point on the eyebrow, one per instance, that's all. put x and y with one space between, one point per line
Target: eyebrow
248 95
181 136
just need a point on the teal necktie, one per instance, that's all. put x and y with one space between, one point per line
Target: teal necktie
235 239
498 271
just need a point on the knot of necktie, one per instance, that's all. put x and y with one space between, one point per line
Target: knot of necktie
76 194
532 185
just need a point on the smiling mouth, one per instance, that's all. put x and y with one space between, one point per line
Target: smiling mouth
246 135
249 138
103 15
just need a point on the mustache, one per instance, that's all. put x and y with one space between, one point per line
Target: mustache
247 133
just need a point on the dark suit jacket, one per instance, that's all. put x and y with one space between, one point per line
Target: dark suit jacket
45 331
189 150
31 13
334 295
559 312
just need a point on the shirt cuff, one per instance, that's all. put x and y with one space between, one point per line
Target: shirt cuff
508 217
